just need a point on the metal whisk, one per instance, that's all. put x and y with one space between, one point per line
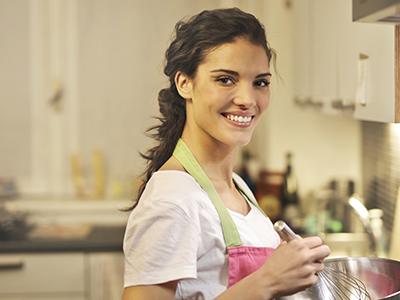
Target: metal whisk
333 283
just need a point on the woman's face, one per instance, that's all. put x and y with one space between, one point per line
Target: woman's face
229 93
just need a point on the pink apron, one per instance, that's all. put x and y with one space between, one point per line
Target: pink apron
243 260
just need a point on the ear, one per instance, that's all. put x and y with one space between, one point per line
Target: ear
183 85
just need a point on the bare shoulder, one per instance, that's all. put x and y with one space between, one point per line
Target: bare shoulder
172 164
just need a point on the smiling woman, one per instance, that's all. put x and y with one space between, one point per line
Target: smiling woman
196 231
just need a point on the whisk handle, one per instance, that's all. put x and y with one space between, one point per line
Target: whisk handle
284 231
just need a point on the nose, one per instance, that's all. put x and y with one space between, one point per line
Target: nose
245 97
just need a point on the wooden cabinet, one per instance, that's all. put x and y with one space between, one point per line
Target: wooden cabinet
61 276
351 67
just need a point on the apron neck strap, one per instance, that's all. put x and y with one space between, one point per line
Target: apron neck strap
249 198
189 162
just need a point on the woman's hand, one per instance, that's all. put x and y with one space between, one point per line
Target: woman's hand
293 266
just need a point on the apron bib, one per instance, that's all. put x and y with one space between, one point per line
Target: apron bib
243 260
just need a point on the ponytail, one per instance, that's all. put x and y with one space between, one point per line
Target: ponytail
167 133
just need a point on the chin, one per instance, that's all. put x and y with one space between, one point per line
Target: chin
241 142
244 143
235 139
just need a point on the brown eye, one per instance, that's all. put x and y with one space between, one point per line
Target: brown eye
262 83
225 80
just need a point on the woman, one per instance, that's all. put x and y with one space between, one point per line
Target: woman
197 232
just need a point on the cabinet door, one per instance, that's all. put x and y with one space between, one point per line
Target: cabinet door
303 47
335 44
106 275
59 276
325 43
316 53
376 43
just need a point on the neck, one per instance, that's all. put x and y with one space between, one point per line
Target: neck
215 158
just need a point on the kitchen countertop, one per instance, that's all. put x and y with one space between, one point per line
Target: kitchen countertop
63 225
98 239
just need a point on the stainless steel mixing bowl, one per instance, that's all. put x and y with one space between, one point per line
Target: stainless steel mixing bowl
380 276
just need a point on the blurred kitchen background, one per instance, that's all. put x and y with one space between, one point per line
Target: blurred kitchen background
78 87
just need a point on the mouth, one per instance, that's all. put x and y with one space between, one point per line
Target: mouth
243 120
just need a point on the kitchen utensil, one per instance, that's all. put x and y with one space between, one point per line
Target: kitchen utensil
333 283
381 277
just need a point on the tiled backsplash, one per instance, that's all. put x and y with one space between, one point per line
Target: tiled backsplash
381 168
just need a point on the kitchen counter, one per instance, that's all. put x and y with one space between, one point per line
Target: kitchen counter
65 225
99 239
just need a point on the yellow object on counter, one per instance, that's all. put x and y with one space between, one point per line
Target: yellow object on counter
77 175
95 190
98 168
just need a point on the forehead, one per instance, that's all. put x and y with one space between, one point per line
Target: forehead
240 55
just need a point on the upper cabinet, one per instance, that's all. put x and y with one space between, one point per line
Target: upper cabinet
342 67
78 88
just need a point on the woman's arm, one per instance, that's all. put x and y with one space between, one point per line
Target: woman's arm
165 291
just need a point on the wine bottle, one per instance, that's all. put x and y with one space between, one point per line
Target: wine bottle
290 198
289 192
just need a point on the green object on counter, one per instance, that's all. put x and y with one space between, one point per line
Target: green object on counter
311 224
331 225
336 226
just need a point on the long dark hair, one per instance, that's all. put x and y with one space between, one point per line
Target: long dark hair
192 41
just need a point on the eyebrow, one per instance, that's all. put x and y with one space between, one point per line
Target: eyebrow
237 74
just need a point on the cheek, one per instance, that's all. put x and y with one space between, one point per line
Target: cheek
264 102
216 100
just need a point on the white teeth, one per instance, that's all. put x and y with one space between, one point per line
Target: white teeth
239 119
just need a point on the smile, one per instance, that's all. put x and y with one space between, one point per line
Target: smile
236 118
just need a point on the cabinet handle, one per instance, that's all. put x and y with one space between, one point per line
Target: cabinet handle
7 264
311 101
316 101
343 104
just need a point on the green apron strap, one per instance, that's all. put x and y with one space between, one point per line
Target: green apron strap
249 198
189 162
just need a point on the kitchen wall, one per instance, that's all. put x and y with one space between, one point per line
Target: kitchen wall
108 56
381 168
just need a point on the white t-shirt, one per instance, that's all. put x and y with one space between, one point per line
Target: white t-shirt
175 234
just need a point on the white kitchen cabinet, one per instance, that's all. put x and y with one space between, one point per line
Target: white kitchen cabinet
328 50
106 275
62 276
58 276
